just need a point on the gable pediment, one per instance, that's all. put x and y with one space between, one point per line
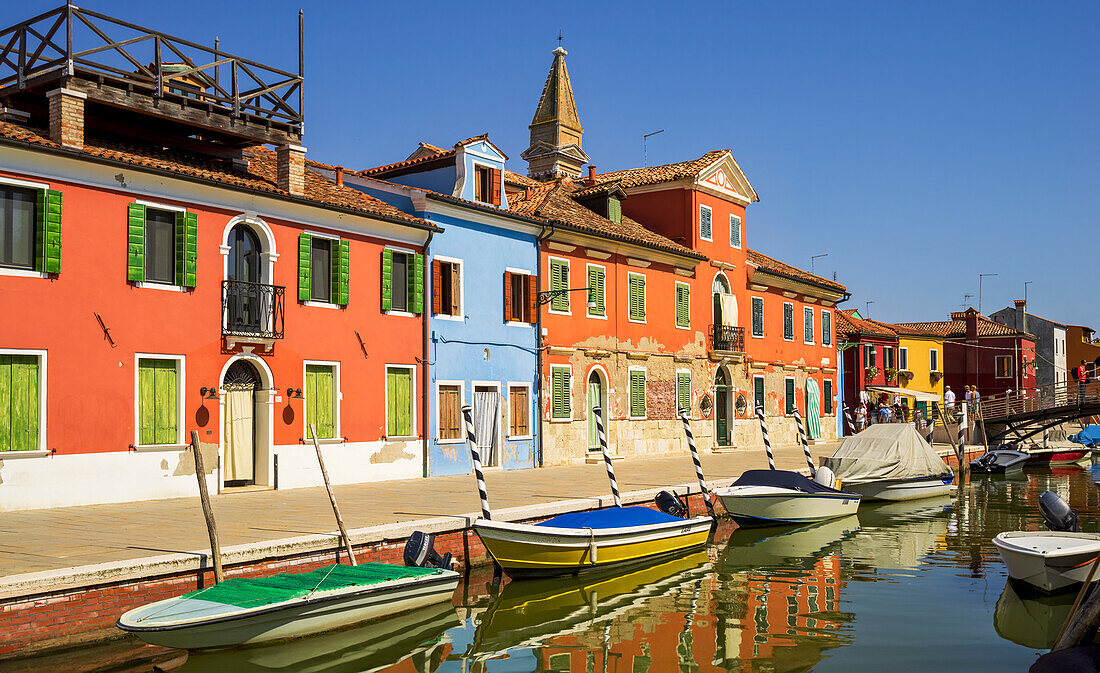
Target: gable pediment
725 179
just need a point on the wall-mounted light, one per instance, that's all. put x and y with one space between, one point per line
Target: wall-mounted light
294 393
209 393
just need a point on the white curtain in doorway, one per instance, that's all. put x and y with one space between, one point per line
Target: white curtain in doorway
486 412
728 304
239 410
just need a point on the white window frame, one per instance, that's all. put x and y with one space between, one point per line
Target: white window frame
530 410
587 266
461 317
569 394
550 259
808 312
412 394
831 328
785 379
181 386
23 273
752 332
630 394
711 211
738 229
513 323
338 397
473 196
461 401
934 359
832 391
997 368
765 401
149 284
785 305
885 350
645 293
313 302
502 432
903 358
427 293
675 300
41 450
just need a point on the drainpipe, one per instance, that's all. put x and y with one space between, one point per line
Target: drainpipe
546 233
424 360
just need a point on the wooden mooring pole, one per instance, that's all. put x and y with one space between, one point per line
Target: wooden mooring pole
331 495
1079 625
207 511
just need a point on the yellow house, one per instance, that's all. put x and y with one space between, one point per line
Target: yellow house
920 363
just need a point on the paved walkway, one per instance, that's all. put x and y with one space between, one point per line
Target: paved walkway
53 539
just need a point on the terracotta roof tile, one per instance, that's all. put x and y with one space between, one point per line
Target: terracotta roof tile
773 265
259 176
957 327
389 168
651 175
848 324
511 178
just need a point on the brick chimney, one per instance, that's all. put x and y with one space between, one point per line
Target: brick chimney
291 169
1021 314
591 175
67 117
340 176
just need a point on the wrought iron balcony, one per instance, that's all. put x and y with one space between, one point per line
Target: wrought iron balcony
252 310
727 338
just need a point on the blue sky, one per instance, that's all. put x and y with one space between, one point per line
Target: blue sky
918 144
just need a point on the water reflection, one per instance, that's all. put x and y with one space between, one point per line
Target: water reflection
1030 618
898 535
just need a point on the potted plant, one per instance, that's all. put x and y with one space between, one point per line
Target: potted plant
936 376
891 374
872 373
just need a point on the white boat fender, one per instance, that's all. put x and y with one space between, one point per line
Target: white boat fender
825 477
591 545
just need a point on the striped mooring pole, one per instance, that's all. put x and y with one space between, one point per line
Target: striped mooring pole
607 456
764 432
802 440
848 418
467 415
930 427
695 457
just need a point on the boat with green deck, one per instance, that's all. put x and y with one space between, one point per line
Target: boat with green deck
246 611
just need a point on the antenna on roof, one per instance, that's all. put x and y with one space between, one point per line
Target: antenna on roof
645 152
559 37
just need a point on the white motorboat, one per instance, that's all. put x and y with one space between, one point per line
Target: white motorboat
247 611
780 496
890 461
1049 560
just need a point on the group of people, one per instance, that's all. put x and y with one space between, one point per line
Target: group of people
881 411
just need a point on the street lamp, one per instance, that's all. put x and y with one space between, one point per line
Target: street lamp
980 276
550 295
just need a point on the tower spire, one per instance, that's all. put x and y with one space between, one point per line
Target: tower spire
556 130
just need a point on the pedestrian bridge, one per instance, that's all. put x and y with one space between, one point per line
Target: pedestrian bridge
1018 415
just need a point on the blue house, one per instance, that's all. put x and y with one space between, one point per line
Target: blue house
483 289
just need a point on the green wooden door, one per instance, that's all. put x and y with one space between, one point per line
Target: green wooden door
158 421
398 402
595 399
321 400
19 403
722 409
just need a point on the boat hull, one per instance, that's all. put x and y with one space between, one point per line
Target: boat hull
291 619
910 489
1049 560
755 505
1057 457
524 550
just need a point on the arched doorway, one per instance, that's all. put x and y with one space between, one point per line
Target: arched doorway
243 292
240 414
597 397
722 416
725 303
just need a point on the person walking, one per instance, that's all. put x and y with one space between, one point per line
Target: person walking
948 402
861 417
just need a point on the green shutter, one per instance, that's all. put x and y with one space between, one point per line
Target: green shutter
826 329
187 245
19 403
637 297
560 393
758 316
614 210
596 290
559 280
683 391
704 222
399 407
158 401
683 299
637 393
735 231
135 243
48 232
305 266
757 393
790 395
416 284
788 321
341 272
387 279
828 395
320 399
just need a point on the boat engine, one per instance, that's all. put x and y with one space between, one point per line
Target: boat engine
1056 513
669 503
825 477
420 552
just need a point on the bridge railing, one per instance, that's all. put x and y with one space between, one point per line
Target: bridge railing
1052 396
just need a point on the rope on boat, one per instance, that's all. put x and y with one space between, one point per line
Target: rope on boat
467 415
607 456
695 457
802 440
764 432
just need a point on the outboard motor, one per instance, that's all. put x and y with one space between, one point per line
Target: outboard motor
669 503
825 477
1056 513
420 552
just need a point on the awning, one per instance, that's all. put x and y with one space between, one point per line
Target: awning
918 395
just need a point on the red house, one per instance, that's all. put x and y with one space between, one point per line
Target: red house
869 349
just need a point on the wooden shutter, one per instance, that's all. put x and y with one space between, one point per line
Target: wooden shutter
456 290
757 393
596 283
826 328
758 316
559 280
416 284
614 210
305 266
520 412
735 231
321 400
789 385
158 390
788 321
807 324
387 279
449 414
637 394
560 393
507 296
494 186
399 407
532 299
827 393
19 403
135 243
186 248
48 232
637 297
683 303
704 222
683 391
437 286
341 271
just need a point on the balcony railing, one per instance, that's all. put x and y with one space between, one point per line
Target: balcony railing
252 309
727 338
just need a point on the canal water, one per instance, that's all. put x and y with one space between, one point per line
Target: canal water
913 586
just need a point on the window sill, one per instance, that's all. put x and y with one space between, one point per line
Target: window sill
635 321
688 328
757 336
637 418
517 438
323 440
404 314
320 304
449 317
149 285
518 323
36 453
597 316
562 420
150 448
403 438
553 312
449 441
23 273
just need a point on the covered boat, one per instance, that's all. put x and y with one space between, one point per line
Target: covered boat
244 611
1089 436
999 461
583 541
890 461
782 496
